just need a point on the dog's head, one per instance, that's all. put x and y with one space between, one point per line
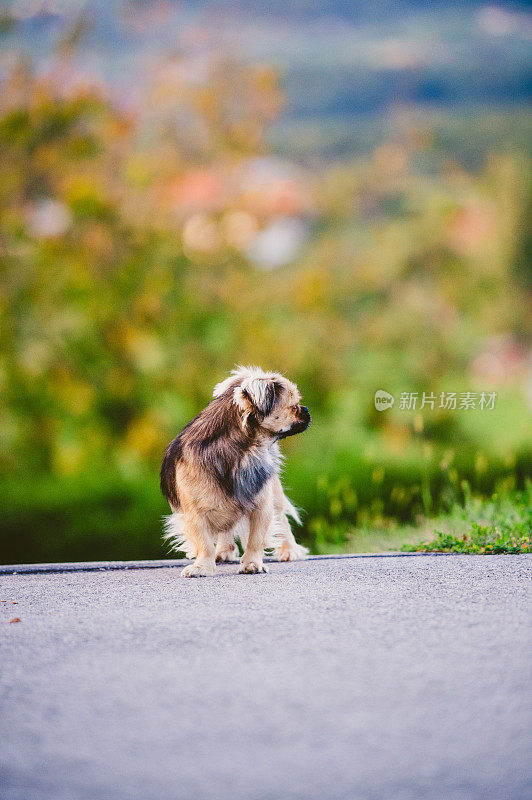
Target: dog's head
267 400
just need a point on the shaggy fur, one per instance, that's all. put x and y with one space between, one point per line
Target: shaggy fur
221 474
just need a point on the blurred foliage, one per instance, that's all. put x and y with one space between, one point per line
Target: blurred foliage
127 293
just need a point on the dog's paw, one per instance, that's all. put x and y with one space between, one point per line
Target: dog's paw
197 571
253 567
228 555
292 552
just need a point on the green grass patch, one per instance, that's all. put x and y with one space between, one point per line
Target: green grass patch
480 539
501 523
498 525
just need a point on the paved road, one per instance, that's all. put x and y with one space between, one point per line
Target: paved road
368 678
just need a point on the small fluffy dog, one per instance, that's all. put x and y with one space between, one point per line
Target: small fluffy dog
221 474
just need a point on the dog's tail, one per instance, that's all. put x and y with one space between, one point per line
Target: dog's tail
291 511
174 534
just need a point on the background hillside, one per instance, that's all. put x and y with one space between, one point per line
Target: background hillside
343 67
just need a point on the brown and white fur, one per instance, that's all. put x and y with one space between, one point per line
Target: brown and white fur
221 474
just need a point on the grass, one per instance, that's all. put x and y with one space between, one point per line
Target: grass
499 524
88 520
480 539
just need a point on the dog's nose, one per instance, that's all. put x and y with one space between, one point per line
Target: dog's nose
304 413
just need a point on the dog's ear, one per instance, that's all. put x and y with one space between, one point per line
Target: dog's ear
261 392
255 396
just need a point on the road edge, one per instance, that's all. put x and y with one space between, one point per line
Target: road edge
103 566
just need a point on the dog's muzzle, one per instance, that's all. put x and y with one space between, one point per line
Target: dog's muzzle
299 426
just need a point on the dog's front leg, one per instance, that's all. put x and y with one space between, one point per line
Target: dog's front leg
199 534
259 523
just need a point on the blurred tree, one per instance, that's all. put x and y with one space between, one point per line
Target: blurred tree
127 289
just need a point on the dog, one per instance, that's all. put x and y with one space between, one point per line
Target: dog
220 476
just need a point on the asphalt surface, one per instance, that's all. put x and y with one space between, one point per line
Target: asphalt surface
353 678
